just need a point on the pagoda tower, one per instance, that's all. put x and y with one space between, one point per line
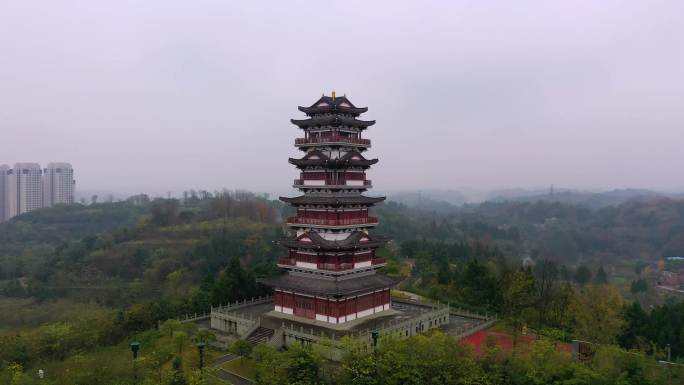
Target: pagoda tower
331 262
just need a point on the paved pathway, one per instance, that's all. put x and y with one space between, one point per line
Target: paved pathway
232 378
228 376
223 359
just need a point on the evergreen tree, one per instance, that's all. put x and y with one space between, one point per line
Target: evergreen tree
444 273
479 286
601 276
564 273
241 348
639 286
303 366
636 320
177 377
234 284
582 275
517 297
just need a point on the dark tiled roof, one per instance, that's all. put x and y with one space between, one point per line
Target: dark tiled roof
332 120
333 105
332 199
324 160
318 286
332 162
350 243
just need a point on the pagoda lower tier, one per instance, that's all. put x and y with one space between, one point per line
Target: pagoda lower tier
333 301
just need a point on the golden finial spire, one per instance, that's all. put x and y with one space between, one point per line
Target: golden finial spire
333 94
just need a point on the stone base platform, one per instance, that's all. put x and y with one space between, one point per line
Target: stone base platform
254 319
357 324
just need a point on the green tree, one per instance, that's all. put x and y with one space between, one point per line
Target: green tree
638 286
174 280
303 366
582 275
478 284
234 284
358 366
17 375
426 359
170 326
177 375
518 296
636 321
180 339
597 313
601 276
241 348
559 314
270 365
157 359
165 212
545 278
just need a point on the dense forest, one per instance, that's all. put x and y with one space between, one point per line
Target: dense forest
564 271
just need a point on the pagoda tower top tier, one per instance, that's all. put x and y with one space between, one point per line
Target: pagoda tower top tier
332 111
332 105
333 122
333 146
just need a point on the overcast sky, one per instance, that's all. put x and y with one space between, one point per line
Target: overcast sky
170 95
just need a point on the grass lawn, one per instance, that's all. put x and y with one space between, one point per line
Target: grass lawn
499 326
243 367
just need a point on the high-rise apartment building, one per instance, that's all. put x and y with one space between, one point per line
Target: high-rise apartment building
4 188
58 184
25 188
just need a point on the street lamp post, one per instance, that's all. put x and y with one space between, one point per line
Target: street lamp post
669 353
374 335
200 347
135 347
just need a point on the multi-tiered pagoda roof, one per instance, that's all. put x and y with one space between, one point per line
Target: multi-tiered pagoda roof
313 240
330 105
316 158
332 199
335 288
331 263
334 121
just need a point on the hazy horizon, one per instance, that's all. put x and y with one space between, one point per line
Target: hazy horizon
168 96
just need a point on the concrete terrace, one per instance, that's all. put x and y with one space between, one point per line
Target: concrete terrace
247 317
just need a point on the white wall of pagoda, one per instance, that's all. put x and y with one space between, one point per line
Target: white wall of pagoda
306 265
354 183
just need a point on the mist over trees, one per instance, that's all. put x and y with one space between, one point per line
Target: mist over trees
122 267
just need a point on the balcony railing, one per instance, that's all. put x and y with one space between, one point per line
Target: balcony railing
332 222
288 261
332 139
335 266
330 183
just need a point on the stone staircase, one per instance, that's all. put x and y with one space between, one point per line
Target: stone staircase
260 335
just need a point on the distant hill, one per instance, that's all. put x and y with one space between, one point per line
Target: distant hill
124 251
428 199
52 226
588 199
446 199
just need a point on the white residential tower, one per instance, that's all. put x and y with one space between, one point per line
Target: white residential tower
4 189
25 188
58 184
